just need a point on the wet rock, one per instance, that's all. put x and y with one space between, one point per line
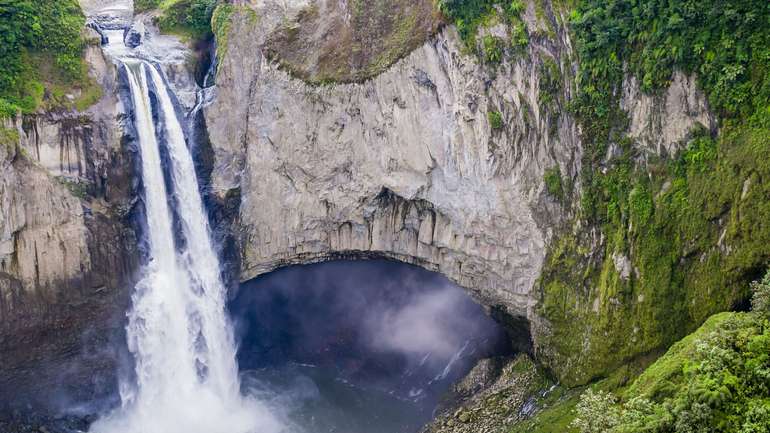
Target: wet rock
496 406
134 35
483 374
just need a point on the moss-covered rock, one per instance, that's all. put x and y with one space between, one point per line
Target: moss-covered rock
659 242
678 246
331 41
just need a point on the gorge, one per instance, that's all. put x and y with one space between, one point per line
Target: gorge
592 180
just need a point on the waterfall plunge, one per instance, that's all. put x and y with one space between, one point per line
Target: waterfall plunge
178 331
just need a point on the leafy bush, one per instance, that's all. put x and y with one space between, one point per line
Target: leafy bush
188 17
553 182
493 49
495 120
717 381
519 36
36 33
468 15
596 412
760 300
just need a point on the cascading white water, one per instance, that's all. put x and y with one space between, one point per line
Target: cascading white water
178 331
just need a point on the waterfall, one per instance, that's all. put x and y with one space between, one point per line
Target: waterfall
186 376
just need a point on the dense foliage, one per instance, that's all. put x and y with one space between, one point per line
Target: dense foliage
190 18
35 34
554 183
716 380
690 227
727 44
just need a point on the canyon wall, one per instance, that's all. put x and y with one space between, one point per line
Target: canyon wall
67 248
437 160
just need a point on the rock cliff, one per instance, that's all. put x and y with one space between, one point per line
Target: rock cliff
439 160
67 249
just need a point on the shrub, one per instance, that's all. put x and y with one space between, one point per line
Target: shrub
596 412
519 36
760 300
467 15
493 49
553 182
188 17
495 120
716 380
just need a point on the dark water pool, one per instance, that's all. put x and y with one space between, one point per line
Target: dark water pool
358 347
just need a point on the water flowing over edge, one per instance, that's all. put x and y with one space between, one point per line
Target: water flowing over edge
186 376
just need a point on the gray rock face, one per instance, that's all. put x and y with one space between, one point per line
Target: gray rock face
407 165
404 166
661 123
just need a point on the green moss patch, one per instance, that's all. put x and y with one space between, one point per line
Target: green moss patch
658 245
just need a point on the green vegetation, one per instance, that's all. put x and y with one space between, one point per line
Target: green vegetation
493 49
495 120
715 380
681 237
550 86
553 183
760 300
41 56
145 5
9 138
187 18
78 189
469 15
220 25
557 410
374 36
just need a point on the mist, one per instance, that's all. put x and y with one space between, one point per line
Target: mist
358 346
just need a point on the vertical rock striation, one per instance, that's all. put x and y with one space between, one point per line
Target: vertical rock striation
67 249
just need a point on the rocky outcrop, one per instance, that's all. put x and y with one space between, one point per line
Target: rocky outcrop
323 41
437 161
660 123
494 395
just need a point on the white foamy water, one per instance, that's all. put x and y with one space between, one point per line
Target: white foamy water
186 375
